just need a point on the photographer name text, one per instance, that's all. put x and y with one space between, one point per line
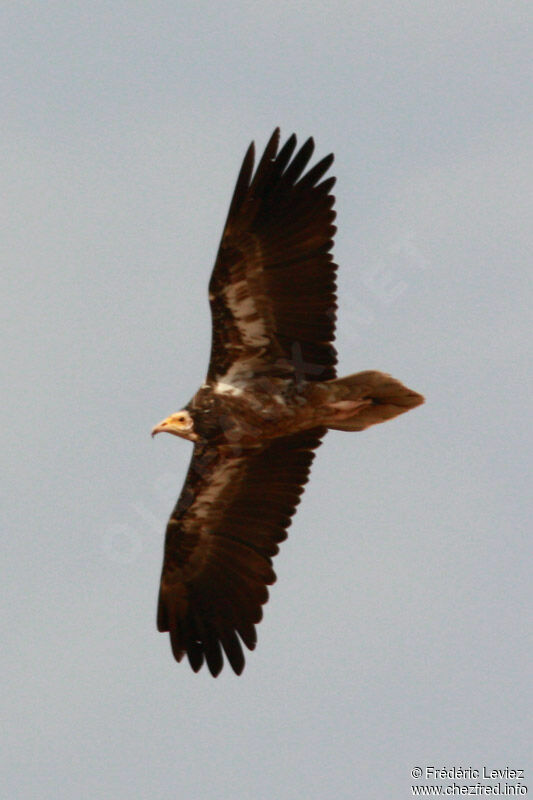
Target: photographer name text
467 773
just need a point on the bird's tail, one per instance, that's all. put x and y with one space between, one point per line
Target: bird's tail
364 399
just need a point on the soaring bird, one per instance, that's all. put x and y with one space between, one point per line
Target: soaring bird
270 395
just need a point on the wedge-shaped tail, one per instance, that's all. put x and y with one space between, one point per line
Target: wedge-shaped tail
367 398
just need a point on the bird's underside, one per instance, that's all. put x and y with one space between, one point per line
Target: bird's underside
270 395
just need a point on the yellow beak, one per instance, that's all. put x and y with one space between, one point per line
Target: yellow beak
165 425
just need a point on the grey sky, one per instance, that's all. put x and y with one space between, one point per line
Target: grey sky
397 633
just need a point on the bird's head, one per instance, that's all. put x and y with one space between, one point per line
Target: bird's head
180 424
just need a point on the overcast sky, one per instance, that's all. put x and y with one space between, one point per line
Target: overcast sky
397 633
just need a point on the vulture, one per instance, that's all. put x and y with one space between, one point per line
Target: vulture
270 394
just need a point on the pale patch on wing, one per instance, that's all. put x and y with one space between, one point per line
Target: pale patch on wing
207 508
220 477
236 378
227 388
248 319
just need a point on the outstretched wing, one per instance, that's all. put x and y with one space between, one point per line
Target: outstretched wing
272 290
233 511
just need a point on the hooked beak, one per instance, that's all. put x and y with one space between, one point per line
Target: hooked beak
165 425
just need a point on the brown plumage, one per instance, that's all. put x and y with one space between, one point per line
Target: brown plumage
270 395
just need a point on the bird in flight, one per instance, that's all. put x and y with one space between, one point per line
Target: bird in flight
270 395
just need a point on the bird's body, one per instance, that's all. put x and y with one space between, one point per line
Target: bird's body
270 394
